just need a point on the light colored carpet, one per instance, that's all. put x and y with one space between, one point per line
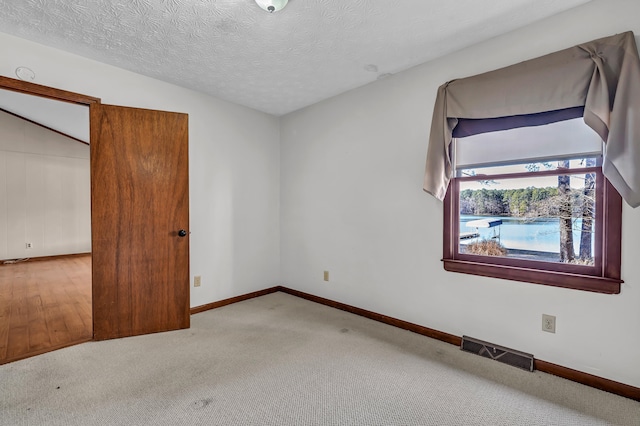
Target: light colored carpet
281 360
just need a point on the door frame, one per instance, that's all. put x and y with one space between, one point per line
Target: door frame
33 89
46 92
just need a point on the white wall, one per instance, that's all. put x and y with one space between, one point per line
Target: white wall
343 184
352 203
45 192
233 162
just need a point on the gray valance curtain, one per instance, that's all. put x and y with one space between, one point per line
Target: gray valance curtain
603 76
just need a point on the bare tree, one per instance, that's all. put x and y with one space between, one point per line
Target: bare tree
588 204
565 215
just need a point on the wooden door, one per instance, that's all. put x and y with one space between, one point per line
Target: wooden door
140 204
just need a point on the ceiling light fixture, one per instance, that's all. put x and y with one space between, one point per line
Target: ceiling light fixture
272 5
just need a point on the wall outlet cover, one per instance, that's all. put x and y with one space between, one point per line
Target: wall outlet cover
548 323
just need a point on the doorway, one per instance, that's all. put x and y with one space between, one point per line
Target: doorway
139 215
45 226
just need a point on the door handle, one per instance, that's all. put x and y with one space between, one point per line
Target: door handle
182 233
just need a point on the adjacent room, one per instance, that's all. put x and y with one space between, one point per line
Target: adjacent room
238 226
46 212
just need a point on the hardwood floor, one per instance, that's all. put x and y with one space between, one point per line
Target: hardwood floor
44 305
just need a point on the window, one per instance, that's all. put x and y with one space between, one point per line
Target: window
531 204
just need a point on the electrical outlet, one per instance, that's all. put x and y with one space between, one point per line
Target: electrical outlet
28 245
548 323
326 275
197 281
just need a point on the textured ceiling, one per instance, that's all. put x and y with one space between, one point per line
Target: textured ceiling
276 63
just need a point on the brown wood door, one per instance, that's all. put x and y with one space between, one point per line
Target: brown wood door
140 202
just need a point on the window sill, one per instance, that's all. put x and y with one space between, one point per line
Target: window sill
595 284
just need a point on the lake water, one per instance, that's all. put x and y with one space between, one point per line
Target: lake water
532 234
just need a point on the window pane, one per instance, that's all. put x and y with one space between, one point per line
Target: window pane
530 167
546 218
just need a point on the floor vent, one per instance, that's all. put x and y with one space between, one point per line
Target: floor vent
498 353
